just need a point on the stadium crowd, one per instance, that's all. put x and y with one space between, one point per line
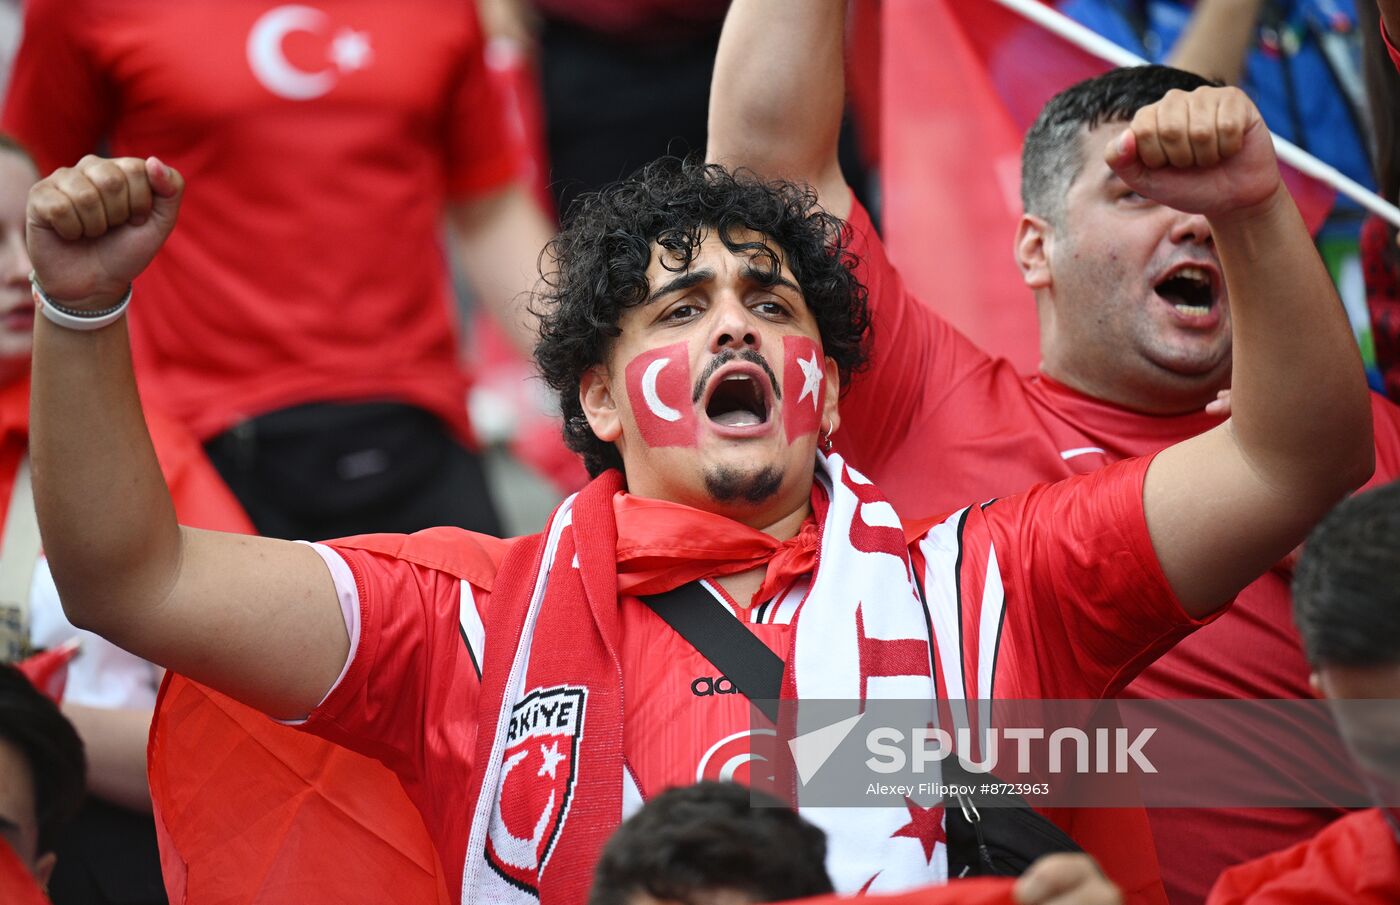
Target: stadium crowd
287 623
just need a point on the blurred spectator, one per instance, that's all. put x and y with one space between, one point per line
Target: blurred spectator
109 853
41 773
312 132
1380 257
1346 603
711 844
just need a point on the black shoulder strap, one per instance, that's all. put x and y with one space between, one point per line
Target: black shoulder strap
720 638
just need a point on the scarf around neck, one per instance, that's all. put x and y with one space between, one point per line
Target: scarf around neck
547 789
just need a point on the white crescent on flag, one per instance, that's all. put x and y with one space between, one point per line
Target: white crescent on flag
510 848
270 64
658 408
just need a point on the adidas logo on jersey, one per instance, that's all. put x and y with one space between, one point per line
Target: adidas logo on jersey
705 686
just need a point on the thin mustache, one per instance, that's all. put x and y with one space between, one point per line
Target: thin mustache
725 358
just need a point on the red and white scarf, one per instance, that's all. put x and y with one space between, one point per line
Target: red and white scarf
547 790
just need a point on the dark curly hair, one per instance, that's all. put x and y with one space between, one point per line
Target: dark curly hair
599 269
691 842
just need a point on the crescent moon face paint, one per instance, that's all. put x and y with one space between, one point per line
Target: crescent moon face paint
658 386
804 386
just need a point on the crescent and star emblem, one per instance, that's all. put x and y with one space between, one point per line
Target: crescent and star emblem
349 51
514 850
658 408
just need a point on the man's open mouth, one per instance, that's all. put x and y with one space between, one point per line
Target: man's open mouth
737 399
1191 289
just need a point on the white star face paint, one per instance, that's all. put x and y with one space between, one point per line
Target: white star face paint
803 386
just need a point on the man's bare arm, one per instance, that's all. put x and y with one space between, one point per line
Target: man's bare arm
1217 39
498 240
256 618
778 93
1222 507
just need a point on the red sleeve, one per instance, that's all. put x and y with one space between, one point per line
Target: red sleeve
1087 605
59 103
915 358
411 681
202 499
484 151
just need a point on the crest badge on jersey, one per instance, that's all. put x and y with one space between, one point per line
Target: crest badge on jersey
539 771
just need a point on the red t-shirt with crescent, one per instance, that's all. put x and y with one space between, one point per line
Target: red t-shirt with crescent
321 142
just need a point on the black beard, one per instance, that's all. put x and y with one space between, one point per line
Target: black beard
727 484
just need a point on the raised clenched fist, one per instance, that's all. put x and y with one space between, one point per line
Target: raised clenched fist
93 227
1203 152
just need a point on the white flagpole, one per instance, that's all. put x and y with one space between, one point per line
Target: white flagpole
1061 25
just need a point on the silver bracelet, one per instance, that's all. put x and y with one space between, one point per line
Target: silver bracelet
76 318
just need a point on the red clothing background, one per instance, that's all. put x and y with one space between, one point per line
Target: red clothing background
307 266
936 420
201 498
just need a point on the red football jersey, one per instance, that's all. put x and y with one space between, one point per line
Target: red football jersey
321 142
935 420
1072 621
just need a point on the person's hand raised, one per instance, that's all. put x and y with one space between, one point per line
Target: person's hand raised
93 227
1204 152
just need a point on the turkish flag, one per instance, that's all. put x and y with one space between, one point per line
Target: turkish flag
951 158
658 386
17 886
252 812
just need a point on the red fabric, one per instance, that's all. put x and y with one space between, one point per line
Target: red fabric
48 670
953 124
17 886
1379 261
663 545
331 825
307 266
1355 861
935 420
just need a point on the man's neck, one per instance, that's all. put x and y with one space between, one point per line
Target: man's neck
1144 401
